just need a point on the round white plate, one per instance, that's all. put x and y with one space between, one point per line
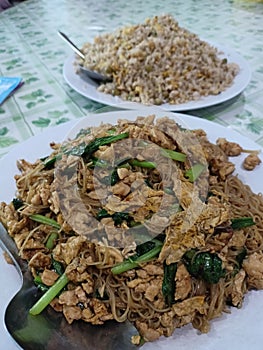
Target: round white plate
88 87
243 327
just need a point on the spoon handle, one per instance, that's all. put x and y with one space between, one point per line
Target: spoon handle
73 46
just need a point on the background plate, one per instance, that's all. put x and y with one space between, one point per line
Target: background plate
88 87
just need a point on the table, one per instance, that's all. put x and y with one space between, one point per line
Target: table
30 48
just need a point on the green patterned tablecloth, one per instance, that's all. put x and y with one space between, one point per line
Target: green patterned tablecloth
30 48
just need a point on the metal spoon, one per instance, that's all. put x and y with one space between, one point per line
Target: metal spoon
49 330
90 73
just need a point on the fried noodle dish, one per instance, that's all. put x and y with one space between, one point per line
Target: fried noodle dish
142 221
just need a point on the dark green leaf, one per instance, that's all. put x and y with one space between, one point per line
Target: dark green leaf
238 223
103 214
58 267
168 286
17 203
94 145
204 265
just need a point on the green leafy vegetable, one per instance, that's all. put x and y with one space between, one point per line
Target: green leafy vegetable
49 162
17 203
241 256
117 217
94 145
85 150
238 223
101 163
57 266
144 248
111 179
103 214
204 265
41 286
168 286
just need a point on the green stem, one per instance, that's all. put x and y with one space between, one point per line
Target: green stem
180 157
143 164
45 220
46 298
51 240
193 173
238 223
131 264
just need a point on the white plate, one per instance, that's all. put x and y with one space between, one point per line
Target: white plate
242 327
88 88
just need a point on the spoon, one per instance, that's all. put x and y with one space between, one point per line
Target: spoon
49 330
90 73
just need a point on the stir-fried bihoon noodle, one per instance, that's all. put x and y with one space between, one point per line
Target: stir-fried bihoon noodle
142 220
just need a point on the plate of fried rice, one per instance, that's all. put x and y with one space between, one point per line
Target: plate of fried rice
159 63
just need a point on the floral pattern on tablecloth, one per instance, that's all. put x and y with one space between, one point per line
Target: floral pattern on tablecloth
30 48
